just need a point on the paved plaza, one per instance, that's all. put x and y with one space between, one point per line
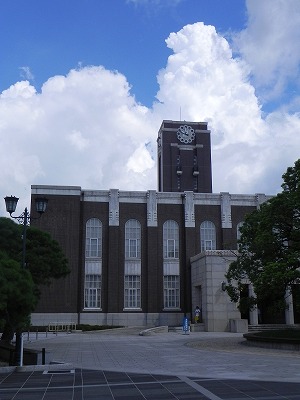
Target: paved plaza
120 364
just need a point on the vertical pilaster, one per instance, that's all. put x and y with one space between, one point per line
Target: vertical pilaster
152 208
114 270
226 210
114 207
189 210
260 198
188 248
226 220
152 302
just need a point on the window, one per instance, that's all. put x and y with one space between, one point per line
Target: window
133 239
132 273
171 291
171 239
207 236
93 264
171 264
93 238
92 291
132 291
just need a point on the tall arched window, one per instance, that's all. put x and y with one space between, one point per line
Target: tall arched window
208 236
171 239
93 238
132 273
93 264
171 276
133 239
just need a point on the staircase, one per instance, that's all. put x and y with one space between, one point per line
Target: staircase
271 327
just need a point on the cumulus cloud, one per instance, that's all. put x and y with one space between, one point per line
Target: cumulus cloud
87 129
270 44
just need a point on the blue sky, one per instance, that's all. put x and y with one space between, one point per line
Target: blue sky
85 85
53 36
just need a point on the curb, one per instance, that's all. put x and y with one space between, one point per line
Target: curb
32 368
153 331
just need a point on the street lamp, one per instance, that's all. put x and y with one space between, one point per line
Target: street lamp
24 219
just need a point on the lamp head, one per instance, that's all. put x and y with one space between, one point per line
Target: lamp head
11 203
41 204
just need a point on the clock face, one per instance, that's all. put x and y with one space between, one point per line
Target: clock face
186 134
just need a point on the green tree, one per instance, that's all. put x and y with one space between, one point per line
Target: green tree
19 292
269 248
17 295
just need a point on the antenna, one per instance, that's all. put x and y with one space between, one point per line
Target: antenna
180 113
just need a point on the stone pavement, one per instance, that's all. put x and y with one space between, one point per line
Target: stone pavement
203 354
120 364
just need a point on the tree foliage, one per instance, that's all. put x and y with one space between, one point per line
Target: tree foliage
45 258
17 293
19 287
269 247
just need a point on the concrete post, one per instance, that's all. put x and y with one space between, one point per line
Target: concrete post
253 313
289 311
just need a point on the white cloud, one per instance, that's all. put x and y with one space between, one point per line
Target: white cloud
87 129
140 160
21 89
26 73
270 43
77 140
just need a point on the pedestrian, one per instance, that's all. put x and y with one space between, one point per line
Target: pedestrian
197 314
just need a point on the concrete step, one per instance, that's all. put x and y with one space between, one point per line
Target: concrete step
193 328
270 327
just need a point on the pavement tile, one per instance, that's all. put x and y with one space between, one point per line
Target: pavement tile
122 365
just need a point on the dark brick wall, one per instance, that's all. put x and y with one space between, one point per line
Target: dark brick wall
154 288
66 219
62 221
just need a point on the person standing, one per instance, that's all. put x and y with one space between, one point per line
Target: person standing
197 314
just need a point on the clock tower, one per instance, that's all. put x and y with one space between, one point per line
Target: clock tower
184 157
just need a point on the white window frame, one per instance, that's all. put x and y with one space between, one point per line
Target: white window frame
171 292
171 248
171 240
132 239
132 291
93 264
92 291
208 244
207 236
93 244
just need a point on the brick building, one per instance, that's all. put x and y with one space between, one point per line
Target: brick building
147 257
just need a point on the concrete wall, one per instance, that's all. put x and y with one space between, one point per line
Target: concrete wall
115 319
208 272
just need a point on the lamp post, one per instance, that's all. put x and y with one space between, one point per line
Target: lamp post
24 219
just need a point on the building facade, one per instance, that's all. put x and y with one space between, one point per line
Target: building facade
147 258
